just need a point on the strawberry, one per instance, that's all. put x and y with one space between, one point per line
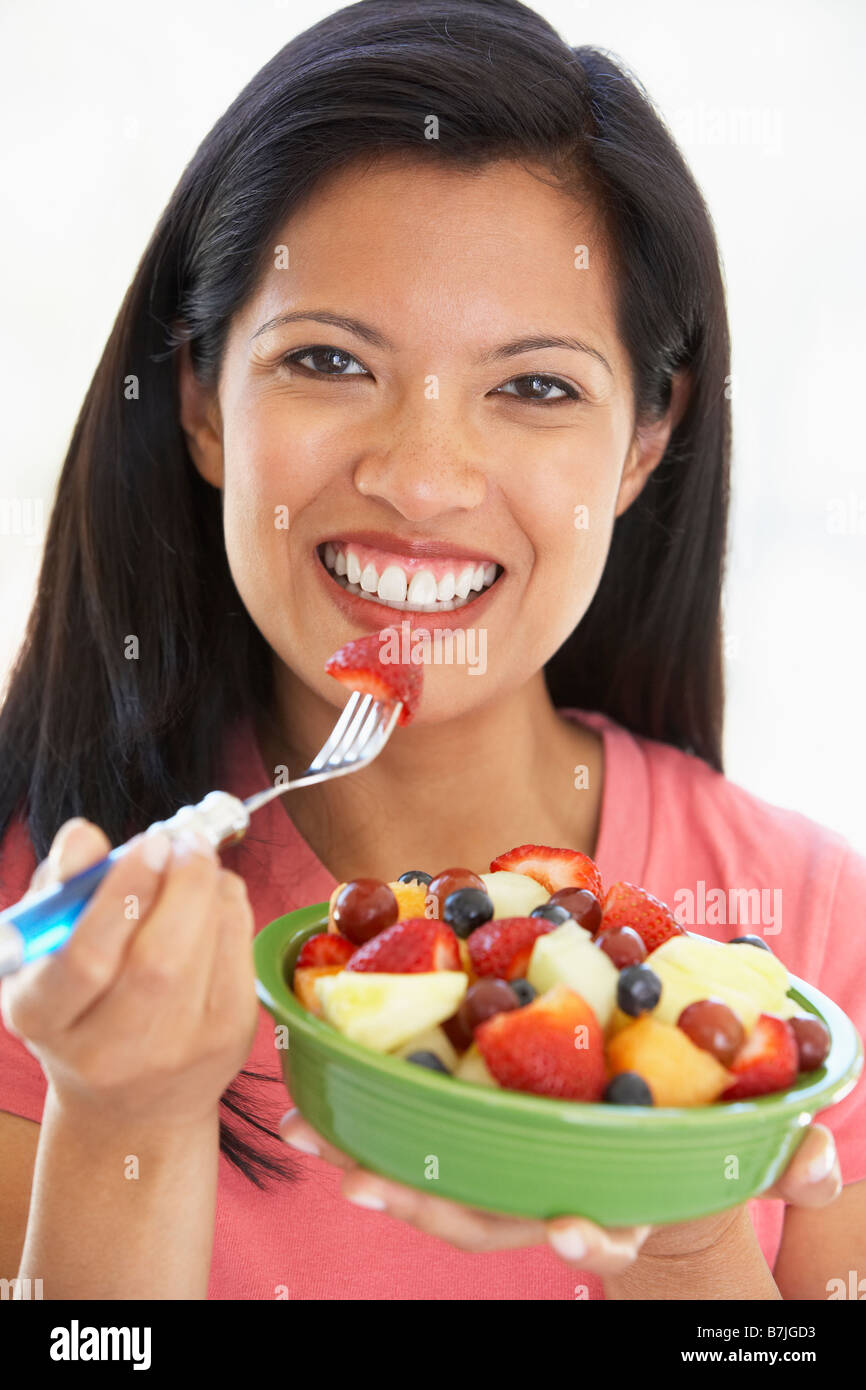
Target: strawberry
326 948
539 1048
767 1060
360 666
502 947
552 868
408 948
628 906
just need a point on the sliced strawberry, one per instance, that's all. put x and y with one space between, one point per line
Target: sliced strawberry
766 1062
361 666
326 948
417 945
629 906
539 1048
552 868
502 947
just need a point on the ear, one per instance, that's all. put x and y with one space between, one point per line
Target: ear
200 420
650 441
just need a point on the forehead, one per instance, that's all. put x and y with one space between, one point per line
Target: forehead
423 246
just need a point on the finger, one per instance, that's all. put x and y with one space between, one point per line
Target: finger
597 1249
77 844
54 992
467 1228
813 1177
168 964
295 1131
231 986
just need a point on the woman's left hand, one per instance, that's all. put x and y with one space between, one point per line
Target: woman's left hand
811 1179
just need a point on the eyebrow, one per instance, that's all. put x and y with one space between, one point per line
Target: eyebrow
376 339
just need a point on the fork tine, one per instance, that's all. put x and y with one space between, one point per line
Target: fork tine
336 733
358 749
338 754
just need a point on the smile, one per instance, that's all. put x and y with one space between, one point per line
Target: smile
429 585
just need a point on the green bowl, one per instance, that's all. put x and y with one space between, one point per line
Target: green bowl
531 1156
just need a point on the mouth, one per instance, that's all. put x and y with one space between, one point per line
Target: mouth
407 583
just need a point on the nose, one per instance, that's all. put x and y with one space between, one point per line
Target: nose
427 467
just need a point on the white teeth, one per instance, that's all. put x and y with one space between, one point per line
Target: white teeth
464 581
422 589
370 579
353 567
395 588
392 584
446 588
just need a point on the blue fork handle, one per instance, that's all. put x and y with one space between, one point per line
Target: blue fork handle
45 923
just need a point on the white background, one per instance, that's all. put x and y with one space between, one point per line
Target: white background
103 103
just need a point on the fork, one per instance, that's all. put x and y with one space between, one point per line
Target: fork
41 922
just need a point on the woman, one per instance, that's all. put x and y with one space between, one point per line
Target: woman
437 292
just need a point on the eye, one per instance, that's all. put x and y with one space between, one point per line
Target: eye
536 388
327 361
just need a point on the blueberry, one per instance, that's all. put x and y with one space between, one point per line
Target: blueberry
552 912
628 1089
415 876
750 941
467 908
524 991
638 989
429 1060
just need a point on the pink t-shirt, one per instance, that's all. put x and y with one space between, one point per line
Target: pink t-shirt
668 823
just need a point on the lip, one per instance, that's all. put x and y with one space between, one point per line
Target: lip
418 548
366 613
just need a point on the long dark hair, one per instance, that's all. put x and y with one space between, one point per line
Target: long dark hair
135 542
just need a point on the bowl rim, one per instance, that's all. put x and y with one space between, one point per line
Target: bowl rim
834 1080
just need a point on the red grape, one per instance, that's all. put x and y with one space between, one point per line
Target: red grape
711 1025
623 945
584 906
363 908
484 999
813 1042
448 882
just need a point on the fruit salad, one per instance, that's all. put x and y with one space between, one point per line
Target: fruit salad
534 977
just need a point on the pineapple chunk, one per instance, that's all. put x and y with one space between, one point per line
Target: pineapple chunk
513 895
431 1040
750 981
383 1011
568 956
472 1067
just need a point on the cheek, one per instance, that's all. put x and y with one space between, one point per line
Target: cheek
569 517
276 463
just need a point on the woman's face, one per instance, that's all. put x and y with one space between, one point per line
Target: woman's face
424 438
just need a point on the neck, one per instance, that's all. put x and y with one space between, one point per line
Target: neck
438 795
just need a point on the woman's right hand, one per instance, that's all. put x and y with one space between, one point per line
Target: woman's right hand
148 1010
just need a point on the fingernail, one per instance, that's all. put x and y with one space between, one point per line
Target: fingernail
191 842
568 1241
303 1145
365 1198
155 850
822 1166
